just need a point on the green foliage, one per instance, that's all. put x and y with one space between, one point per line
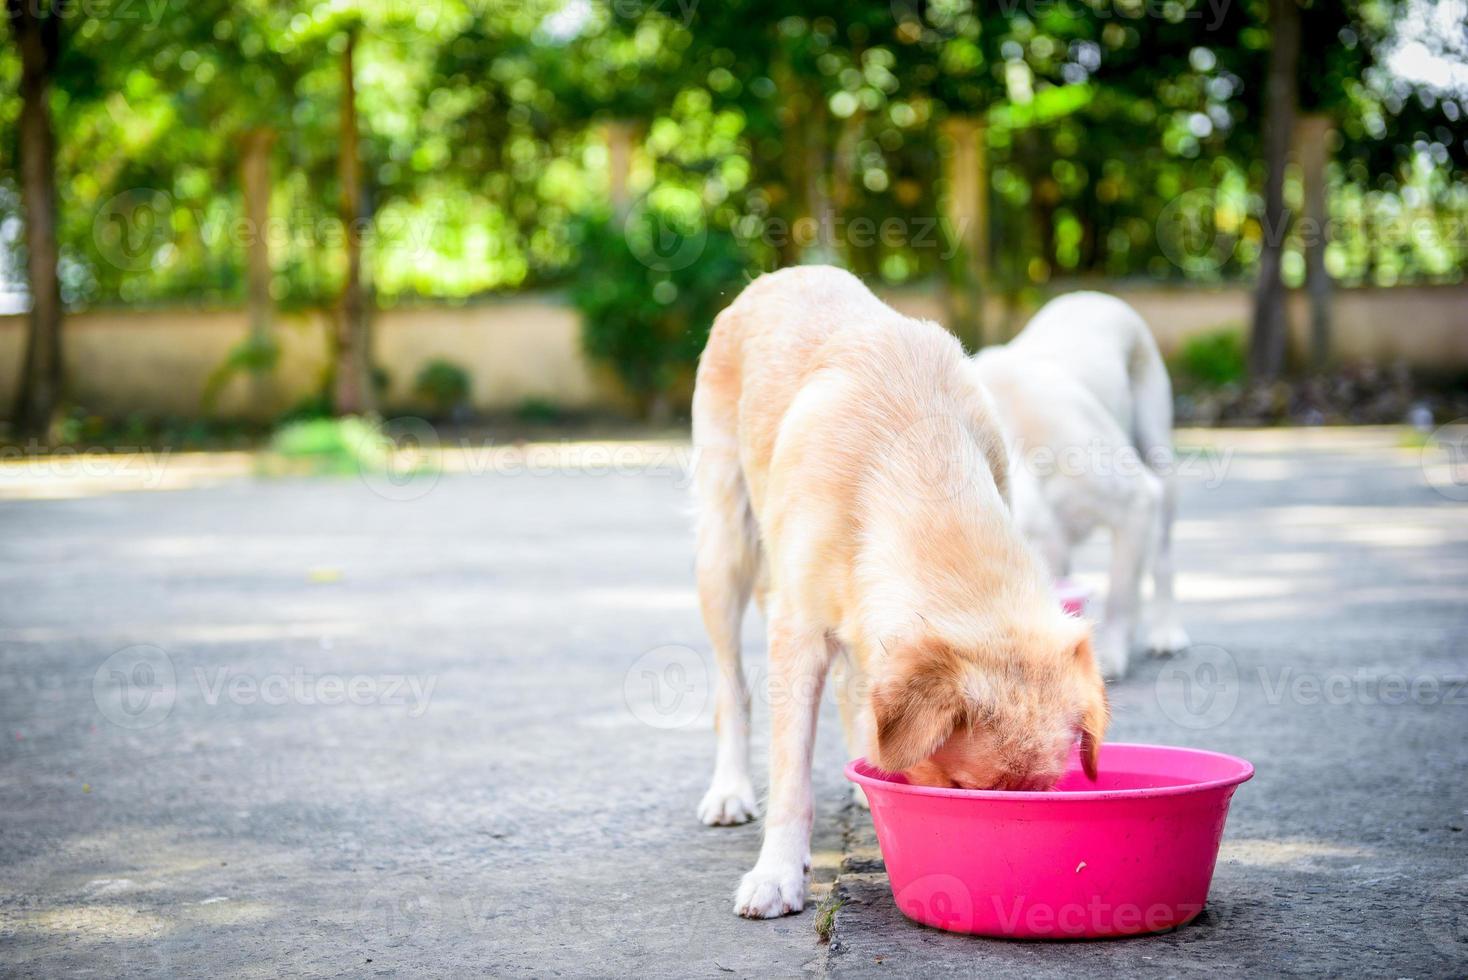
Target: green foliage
319 404
82 429
540 410
483 138
332 446
1213 359
649 289
442 386
826 917
255 355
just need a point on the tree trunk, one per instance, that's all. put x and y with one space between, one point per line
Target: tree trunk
1311 134
37 29
1046 193
1044 199
255 182
822 209
968 226
843 182
354 394
1270 334
619 166
1087 211
794 165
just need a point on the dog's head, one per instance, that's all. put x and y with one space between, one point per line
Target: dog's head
992 718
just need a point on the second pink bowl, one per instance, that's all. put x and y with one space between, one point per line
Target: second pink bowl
1131 853
1073 596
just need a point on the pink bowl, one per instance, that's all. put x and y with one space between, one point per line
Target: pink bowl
1073 596
1131 853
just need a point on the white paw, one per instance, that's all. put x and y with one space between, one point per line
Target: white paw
1112 652
1166 638
766 893
859 797
728 803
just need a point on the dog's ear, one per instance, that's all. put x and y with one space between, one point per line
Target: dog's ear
916 710
1095 712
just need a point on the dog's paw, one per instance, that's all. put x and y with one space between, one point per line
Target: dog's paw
1112 653
728 804
859 797
767 893
1166 639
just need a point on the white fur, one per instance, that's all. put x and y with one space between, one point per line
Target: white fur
1086 405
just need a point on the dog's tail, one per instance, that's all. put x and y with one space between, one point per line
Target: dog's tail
1152 395
729 560
1152 428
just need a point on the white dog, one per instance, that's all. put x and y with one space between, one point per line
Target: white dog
1086 405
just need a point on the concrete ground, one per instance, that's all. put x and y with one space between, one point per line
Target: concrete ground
459 727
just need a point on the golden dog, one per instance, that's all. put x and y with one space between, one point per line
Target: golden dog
849 469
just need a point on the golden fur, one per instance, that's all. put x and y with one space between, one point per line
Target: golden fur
849 463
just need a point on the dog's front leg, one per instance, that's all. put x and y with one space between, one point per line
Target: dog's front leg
798 662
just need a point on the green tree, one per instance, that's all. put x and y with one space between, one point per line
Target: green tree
1268 337
36 27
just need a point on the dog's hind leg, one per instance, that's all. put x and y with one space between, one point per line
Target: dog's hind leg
1133 504
727 565
1165 634
1152 435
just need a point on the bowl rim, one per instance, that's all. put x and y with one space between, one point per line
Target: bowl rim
1245 773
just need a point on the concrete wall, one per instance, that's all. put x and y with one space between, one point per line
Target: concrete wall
157 362
1425 326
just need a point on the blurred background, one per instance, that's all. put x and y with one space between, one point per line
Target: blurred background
397 304
221 220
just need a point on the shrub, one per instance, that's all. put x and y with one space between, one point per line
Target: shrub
442 386
648 290
253 355
1213 359
541 410
332 446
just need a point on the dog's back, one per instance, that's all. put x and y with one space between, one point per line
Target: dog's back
1106 346
815 333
